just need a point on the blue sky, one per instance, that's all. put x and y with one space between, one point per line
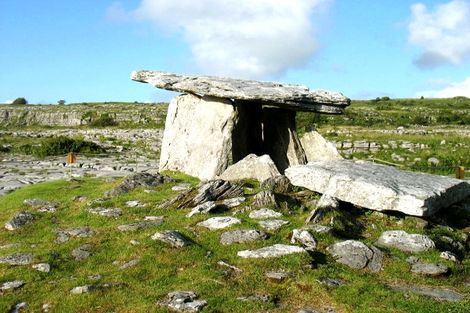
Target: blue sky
85 50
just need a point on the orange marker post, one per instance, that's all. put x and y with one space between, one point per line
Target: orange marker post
460 172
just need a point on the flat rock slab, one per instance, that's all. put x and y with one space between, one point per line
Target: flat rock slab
272 225
403 241
108 212
251 167
184 301
17 259
357 255
440 294
274 251
264 213
220 222
429 269
378 187
293 97
140 225
172 238
242 236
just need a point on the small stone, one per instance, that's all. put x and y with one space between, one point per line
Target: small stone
82 289
134 204
278 276
152 218
42 267
41 205
242 236
233 202
447 255
108 212
272 225
18 307
131 263
219 222
138 180
260 298
81 232
17 259
233 268
326 204
205 208
304 237
356 254
46 307
19 220
429 269
181 187
264 213
134 242
11 285
251 167
331 282
319 229
265 198
172 238
274 251
82 253
440 294
140 225
403 241
184 301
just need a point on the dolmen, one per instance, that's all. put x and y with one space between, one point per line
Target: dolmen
217 121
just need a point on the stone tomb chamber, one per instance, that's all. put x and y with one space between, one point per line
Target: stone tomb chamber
218 121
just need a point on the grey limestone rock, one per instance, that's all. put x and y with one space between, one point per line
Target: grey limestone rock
42 267
252 166
277 184
205 208
108 212
293 97
130 263
305 238
140 225
64 235
324 205
265 198
429 269
41 205
318 148
264 213
441 294
19 220
357 255
219 222
379 187
272 225
138 180
18 307
82 253
242 236
184 301
11 285
225 264
278 276
401 240
447 255
274 251
17 259
82 289
172 238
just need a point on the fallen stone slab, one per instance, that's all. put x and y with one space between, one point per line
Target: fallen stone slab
436 293
19 220
429 269
184 301
274 251
272 225
378 187
172 238
403 241
292 97
242 236
252 166
17 259
317 148
357 255
264 213
219 222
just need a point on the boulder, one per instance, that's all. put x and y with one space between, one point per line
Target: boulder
219 222
252 166
108 212
378 187
198 136
242 236
272 225
17 259
138 180
318 148
324 205
403 241
265 198
274 251
356 254
303 237
278 184
19 220
429 269
184 301
172 238
293 97
264 214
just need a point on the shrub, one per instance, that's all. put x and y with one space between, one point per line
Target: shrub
19 101
60 146
103 121
61 102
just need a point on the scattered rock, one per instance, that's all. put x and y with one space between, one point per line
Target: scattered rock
256 298
138 180
205 208
318 148
274 251
172 238
403 241
324 205
184 301
82 253
264 214
233 202
108 212
272 225
331 282
440 294
18 307
42 267
378 187
181 187
140 225
46 307
11 285
265 198
447 255
429 269
134 204
319 229
19 220
219 222
41 205
277 184
233 268
242 236
278 276
82 289
308 311
356 254
251 167
131 263
17 259
65 234
304 237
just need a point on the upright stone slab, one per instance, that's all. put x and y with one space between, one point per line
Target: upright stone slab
198 136
378 187
318 148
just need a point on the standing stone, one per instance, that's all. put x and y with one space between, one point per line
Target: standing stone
251 167
318 148
198 136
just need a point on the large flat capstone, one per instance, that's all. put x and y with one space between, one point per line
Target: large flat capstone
379 187
293 97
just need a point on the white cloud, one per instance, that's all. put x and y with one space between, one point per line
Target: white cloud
241 38
443 33
8 102
452 90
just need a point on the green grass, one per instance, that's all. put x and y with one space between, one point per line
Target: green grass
163 269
